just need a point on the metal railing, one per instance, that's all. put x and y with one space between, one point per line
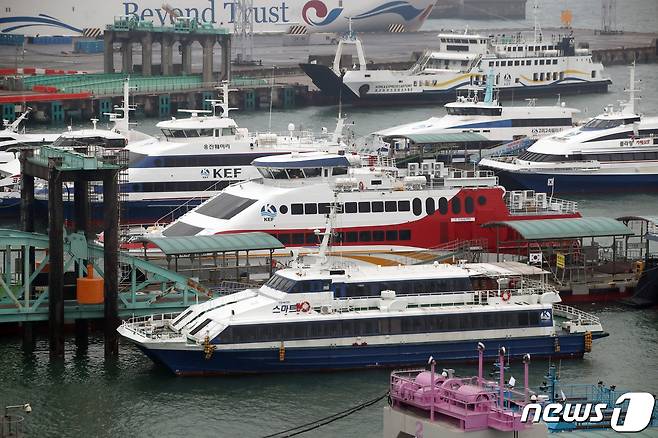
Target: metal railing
575 315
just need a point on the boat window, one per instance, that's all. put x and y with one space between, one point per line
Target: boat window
297 208
284 238
298 239
377 206
339 171
404 206
602 124
310 208
264 172
456 205
295 173
226 132
350 207
392 235
443 205
468 205
390 206
365 236
279 173
313 172
364 207
281 283
351 236
378 236
482 200
178 229
405 234
418 206
224 206
323 208
429 206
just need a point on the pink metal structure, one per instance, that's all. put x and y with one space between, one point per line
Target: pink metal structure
472 403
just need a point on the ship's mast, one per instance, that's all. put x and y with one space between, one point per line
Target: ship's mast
537 26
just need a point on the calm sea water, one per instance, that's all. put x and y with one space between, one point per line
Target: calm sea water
132 397
85 396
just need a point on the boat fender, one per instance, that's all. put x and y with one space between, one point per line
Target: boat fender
506 295
361 186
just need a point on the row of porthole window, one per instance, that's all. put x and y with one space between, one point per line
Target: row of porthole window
455 205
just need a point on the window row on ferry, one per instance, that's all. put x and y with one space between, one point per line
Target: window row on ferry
518 62
205 132
443 206
380 326
620 156
347 237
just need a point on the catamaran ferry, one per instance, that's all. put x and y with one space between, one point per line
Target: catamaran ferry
380 211
333 317
614 151
521 67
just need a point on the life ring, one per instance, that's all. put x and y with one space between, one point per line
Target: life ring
506 295
361 186
305 307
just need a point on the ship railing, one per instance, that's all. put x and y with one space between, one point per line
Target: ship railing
527 202
447 299
575 315
153 326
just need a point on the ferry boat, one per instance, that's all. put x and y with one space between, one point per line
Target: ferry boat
614 151
493 122
12 137
334 317
199 156
382 210
522 66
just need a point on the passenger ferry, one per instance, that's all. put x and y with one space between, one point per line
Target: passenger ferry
336 317
494 123
522 66
382 210
11 137
197 157
614 151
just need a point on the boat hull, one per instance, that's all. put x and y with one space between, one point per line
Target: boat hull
330 84
578 184
333 358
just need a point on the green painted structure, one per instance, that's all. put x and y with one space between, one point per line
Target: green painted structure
144 288
574 228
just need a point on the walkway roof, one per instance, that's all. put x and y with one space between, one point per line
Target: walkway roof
460 137
551 229
215 243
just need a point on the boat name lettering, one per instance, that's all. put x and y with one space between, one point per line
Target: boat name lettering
638 407
392 88
543 131
215 13
286 307
211 147
462 219
635 141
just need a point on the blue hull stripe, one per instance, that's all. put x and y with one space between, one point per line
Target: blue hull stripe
578 183
354 357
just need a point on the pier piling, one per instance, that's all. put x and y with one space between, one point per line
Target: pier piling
56 268
111 261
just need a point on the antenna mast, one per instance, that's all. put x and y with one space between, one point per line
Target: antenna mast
537 27
244 28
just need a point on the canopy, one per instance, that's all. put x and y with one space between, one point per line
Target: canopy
215 243
552 229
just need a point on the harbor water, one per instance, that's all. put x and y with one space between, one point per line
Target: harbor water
132 397
87 396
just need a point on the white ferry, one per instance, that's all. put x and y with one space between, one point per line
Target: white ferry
381 213
11 137
328 317
614 151
494 123
197 157
521 67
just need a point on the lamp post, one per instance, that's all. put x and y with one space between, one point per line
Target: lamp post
12 425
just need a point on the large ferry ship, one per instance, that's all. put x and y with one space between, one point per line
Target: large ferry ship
521 67
614 151
75 17
333 317
379 209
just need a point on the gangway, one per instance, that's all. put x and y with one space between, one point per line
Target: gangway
145 288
